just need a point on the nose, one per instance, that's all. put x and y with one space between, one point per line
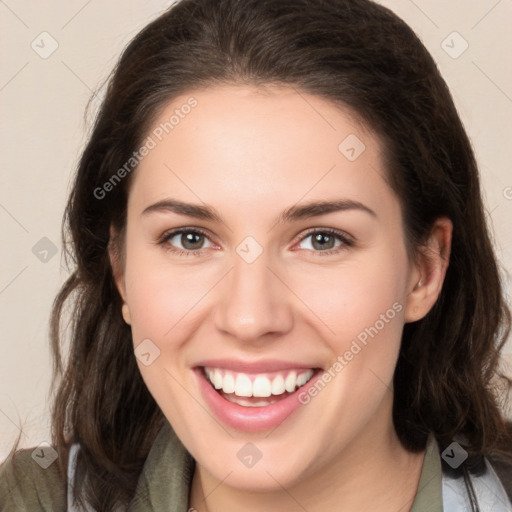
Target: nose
254 303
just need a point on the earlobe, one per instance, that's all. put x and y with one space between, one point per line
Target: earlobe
415 303
125 310
427 280
116 265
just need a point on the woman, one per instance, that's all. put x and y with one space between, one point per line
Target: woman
285 296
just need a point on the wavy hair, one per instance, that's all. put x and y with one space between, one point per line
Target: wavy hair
355 54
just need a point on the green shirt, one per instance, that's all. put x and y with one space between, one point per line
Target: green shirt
164 483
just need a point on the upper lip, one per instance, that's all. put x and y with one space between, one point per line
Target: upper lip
261 366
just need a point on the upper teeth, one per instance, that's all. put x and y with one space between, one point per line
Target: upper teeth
260 385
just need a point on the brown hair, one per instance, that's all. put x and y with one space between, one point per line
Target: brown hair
354 53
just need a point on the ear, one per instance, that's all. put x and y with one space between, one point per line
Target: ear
429 271
117 265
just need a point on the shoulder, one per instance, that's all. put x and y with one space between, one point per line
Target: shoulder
31 480
503 470
485 480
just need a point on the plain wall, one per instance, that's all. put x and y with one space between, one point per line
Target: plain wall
43 130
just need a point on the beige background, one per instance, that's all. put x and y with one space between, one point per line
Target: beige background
43 129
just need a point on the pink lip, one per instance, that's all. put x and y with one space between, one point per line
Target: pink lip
263 366
250 419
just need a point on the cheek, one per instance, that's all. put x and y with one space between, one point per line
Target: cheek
155 303
351 298
159 294
168 305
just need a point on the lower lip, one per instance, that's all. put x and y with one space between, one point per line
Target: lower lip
250 419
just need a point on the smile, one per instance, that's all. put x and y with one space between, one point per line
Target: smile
235 385
253 402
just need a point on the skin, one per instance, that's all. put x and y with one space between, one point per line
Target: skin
251 153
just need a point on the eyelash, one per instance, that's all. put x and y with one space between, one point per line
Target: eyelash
343 237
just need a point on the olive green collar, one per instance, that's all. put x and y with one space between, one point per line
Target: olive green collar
165 481
166 478
429 497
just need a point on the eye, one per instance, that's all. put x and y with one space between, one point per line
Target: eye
324 241
191 241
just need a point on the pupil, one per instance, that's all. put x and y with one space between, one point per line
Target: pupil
319 237
188 240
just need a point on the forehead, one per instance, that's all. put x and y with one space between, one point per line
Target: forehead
247 143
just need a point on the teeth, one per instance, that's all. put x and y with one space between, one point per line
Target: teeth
217 379
290 381
302 379
278 385
259 385
243 386
228 384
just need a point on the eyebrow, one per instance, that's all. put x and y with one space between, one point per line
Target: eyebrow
293 213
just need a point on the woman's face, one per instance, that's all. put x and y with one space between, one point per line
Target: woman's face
261 287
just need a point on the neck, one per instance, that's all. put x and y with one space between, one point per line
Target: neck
374 469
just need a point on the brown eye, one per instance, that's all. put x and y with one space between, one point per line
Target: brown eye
191 240
323 241
327 241
185 241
